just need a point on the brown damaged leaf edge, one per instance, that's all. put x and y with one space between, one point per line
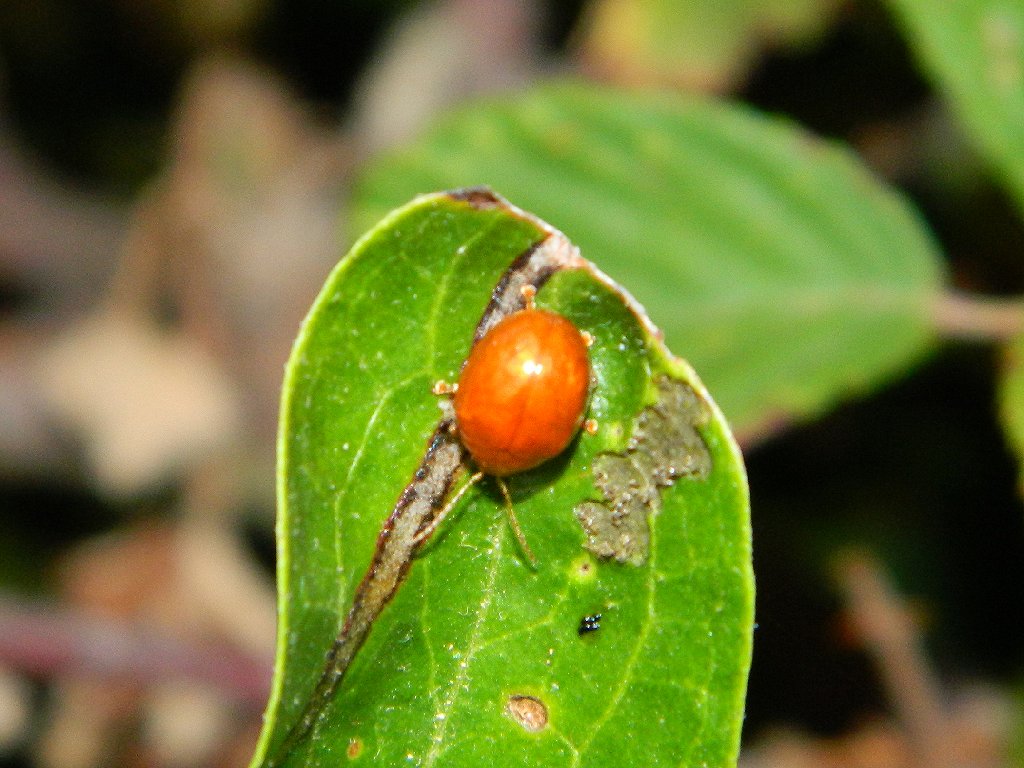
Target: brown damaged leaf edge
422 498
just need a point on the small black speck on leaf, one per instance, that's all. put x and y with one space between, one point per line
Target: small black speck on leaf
589 623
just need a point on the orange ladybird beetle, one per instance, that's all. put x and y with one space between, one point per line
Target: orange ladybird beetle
520 398
522 392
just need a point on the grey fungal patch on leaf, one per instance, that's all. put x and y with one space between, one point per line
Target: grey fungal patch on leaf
665 446
528 711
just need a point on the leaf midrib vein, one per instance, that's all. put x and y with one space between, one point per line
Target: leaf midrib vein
461 253
431 659
472 648
803 302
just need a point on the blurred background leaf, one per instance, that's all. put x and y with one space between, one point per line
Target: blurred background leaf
771 260
974 51
689 43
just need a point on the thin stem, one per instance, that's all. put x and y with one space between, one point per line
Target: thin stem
888 633
49 641
966 316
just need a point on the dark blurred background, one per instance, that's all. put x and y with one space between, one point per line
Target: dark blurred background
173 180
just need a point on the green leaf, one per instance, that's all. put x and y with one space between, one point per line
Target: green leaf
455 666
974 51
1011 399
773 261
693 43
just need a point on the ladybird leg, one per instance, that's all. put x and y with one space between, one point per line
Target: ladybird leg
430 527
442 387
528 292
515 523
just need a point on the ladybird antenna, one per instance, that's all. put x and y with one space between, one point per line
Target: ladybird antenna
430 527
514 522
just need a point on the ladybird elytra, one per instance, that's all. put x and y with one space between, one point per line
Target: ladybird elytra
522 393
519 400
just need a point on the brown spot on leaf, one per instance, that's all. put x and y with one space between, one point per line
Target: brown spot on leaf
528 711
355 748
583 568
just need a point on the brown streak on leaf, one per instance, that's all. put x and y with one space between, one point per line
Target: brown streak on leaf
392 558
532 268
